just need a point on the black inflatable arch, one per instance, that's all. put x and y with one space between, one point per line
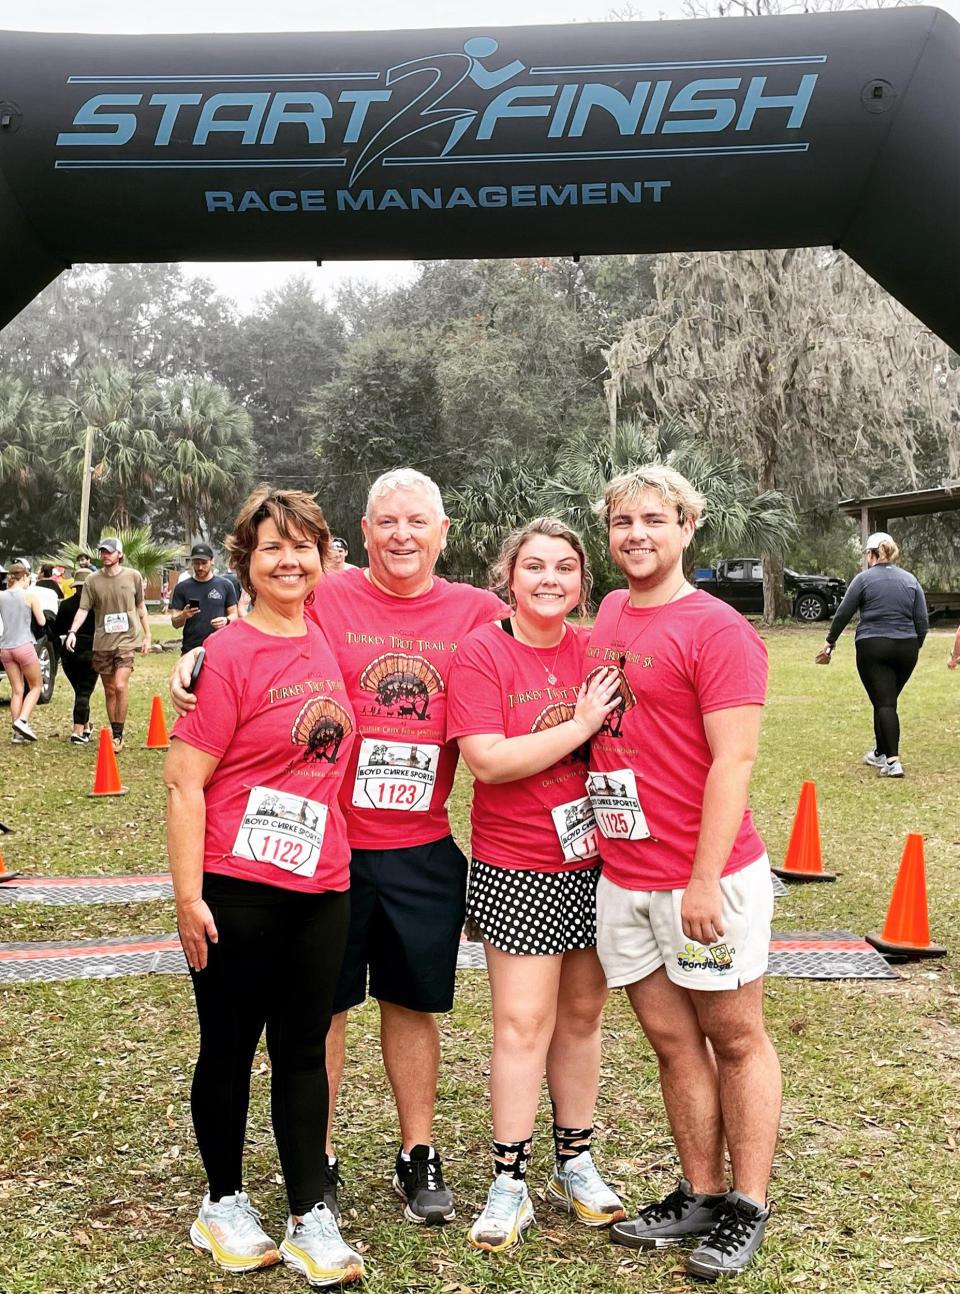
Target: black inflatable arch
829 129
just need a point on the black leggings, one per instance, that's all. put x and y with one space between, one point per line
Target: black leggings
276 964
83 679
884 665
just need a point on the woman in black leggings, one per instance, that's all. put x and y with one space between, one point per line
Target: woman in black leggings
893 624
260 862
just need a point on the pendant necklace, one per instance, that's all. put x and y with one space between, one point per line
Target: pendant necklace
551 672
622 660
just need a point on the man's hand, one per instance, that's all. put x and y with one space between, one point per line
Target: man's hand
70 641
218 622
145 645
183 701
196 925
701 911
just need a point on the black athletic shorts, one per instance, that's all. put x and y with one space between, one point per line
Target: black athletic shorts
406 917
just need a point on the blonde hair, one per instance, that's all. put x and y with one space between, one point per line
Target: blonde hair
291 511
501 573
670 485
15 573
887 551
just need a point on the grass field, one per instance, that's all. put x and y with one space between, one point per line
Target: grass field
99 1178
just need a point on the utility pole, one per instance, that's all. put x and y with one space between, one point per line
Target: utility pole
85 488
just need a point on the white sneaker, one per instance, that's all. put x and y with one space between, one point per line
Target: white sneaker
315 1248
506 1215
230 1231
874 760
892 768
24 729
578 1186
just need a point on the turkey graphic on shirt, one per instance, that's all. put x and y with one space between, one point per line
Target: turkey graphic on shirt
321 726
626 700
402 684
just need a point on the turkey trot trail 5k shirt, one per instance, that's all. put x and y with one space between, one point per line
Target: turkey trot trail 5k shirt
650 759
543 822
396 655
276 713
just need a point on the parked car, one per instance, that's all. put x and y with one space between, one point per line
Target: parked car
738 581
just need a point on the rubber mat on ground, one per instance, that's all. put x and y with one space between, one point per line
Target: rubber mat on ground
65 891
779 888
825 954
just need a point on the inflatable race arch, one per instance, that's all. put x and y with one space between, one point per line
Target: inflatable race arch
839 129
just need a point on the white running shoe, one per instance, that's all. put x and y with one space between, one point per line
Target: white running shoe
230 1231
315 1248
578 1186
506 1215
892 768
874 760
24 729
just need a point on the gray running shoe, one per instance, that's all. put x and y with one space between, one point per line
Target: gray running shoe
682 1214
733 1241
17 740
315 1248
419 1180
24 729
506 1215
892 768
874 760
230 1231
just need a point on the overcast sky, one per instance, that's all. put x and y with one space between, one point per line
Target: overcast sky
245 282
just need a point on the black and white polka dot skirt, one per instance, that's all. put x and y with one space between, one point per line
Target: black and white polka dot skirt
532 913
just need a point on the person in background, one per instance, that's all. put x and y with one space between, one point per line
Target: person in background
115 595
524 720
890 632
47 580
78 665
337 557
953 660
203 603
260 863
82 568
20 610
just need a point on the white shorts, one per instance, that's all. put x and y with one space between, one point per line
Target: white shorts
640 930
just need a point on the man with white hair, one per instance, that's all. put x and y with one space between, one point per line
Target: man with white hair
394 627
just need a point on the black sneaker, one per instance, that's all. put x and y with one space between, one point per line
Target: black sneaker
419 1180
333 1181
683 1213
733 1241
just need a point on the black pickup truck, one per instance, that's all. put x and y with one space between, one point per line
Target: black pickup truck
739 582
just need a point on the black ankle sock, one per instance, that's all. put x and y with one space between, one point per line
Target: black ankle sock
117 729
510 1158
570 1142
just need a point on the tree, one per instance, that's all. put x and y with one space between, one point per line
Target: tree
800 362
121 412
141 551
207 450
27 483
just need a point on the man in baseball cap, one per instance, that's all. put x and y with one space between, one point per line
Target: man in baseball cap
204 603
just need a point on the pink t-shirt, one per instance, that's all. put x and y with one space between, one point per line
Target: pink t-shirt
499 685
275 712
683 661
395 654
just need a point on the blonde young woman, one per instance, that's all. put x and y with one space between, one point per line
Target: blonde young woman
19 609
523 720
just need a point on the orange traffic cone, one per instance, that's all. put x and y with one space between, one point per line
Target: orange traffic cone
803 861
906 931
4 874
107 778
157 738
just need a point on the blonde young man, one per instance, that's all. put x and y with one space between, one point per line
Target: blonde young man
685 901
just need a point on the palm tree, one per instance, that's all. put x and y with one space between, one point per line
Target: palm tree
109 421
208 447
141 552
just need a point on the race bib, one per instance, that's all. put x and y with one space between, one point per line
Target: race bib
576 828
395 775
116 622
616 806
283 830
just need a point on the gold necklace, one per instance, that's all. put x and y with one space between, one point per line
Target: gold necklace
551 672
622 660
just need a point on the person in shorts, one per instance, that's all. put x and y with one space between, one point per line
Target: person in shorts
685 901
114 594
524 721
20 610
394 627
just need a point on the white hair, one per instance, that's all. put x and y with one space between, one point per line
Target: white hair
405 478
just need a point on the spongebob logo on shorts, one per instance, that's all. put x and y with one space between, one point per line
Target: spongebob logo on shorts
695 957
